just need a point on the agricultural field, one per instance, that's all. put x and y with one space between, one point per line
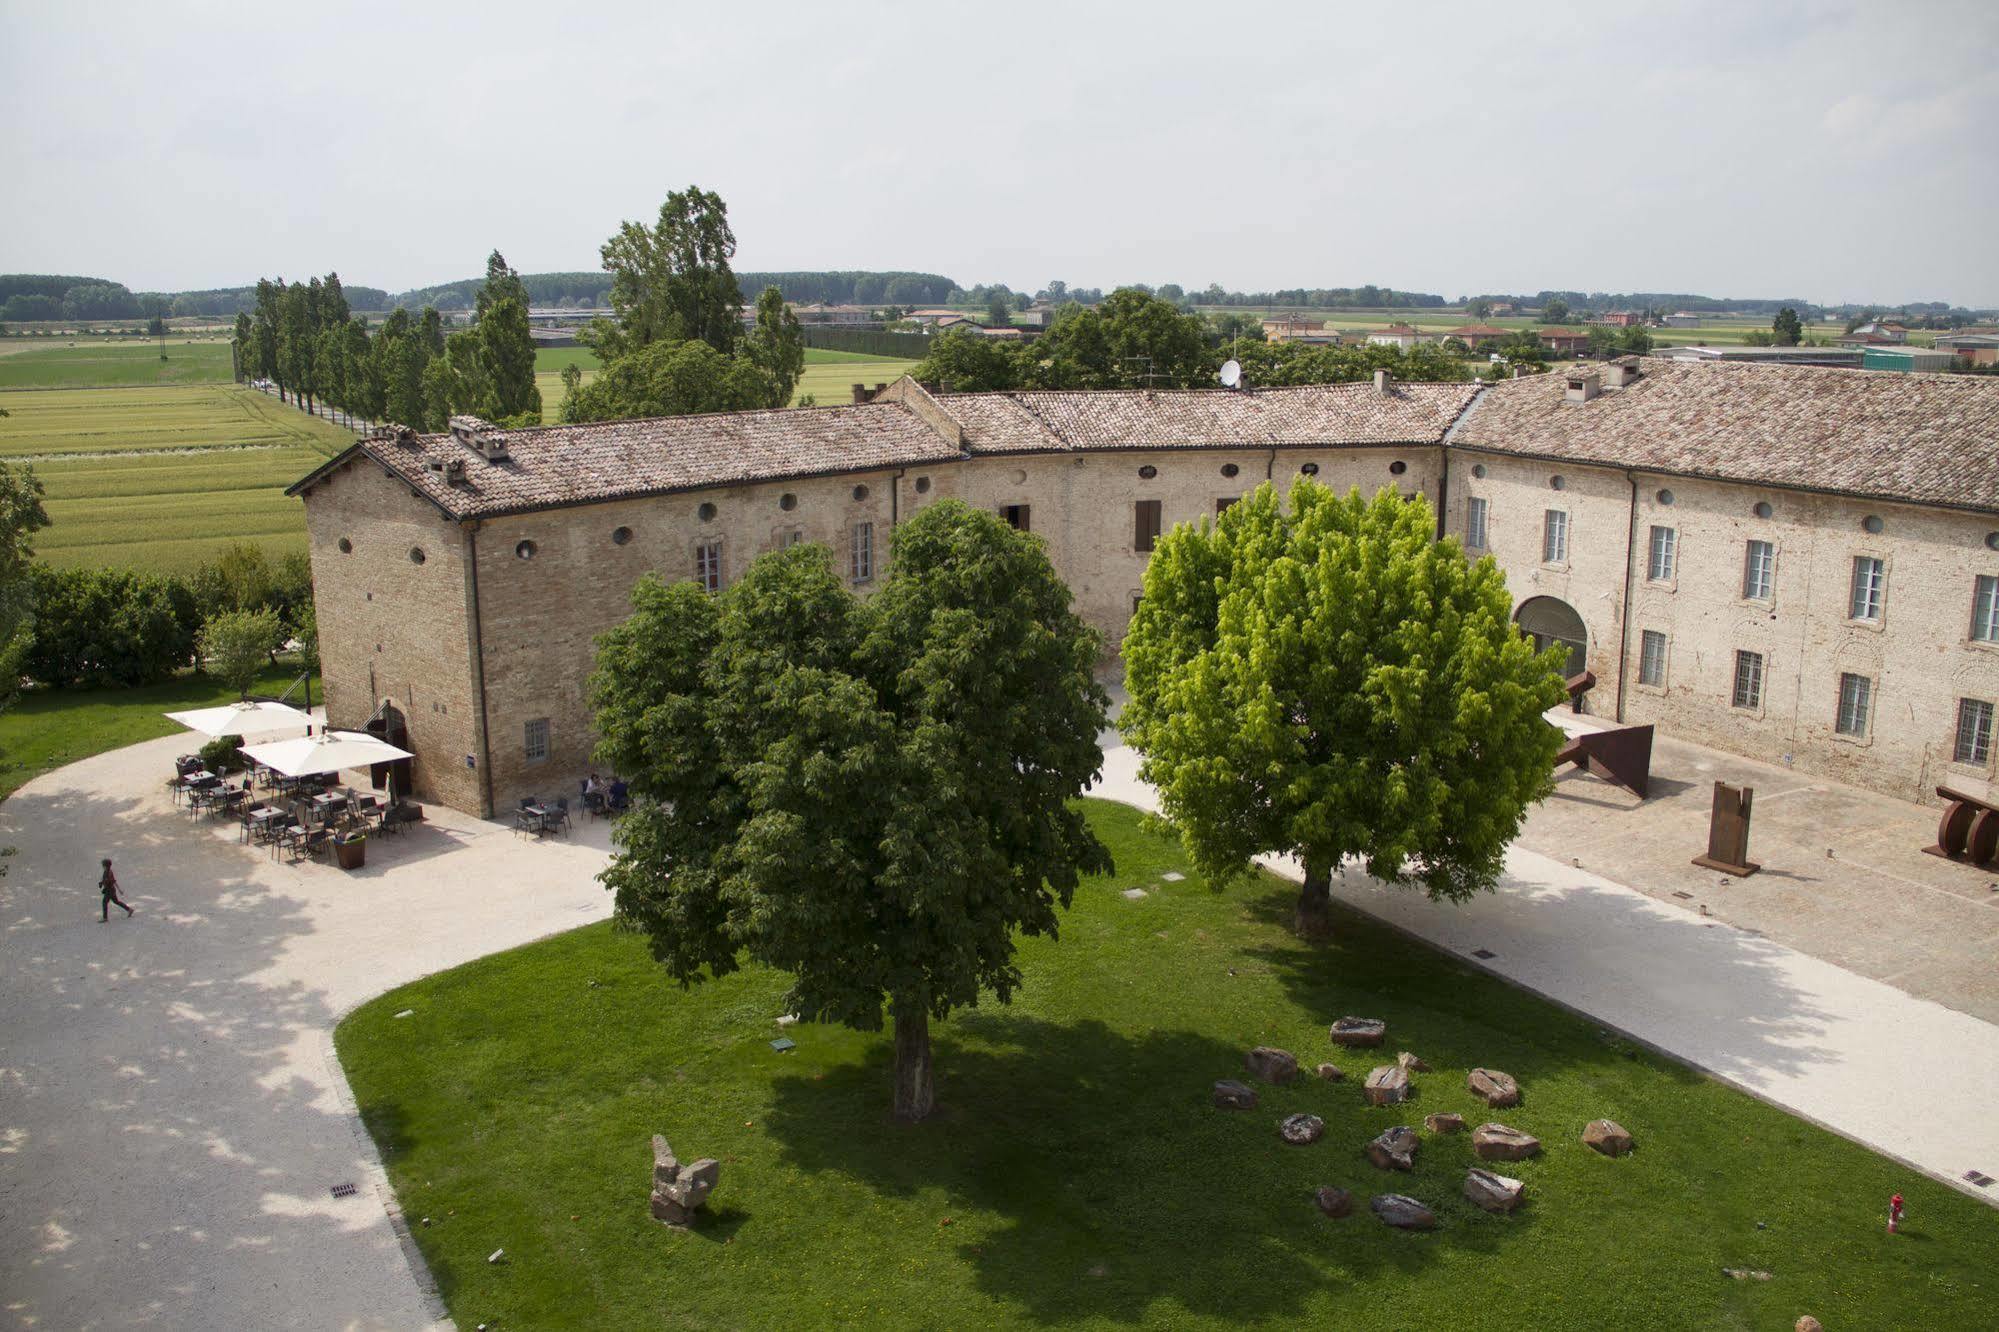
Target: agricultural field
829 375
160 476
83 363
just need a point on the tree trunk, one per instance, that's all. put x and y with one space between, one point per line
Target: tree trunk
915 1095
1314 917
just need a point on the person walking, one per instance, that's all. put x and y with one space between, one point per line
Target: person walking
108 885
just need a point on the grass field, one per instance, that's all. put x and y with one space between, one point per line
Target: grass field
87 364
1076 1174
829 375
45 729
163 477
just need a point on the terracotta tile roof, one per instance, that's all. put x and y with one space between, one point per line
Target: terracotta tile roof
1318 414
1475 331
549 466
1917 437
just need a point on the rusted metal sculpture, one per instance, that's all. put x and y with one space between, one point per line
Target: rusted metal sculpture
1578 685
1622 757
1968 832
1728 832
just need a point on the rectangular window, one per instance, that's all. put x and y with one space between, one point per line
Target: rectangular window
1665 554
1652 658
1015 515
1555 537
1475 524
1759 571
1221 505
708 566
863 552
537 740
790 537
1985 610
1749 679
1856 701
1974 731
1869 582
1145 525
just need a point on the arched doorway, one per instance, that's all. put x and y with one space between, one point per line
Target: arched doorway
1550 620
388 725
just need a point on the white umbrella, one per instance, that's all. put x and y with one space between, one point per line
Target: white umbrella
331 751
245 719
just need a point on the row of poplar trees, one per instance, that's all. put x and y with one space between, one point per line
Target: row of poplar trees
303 337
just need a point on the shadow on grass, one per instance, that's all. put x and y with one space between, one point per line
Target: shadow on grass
1104 1185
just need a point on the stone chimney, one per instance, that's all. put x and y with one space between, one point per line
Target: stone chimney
1582 386
1382 379
1624 370
482 437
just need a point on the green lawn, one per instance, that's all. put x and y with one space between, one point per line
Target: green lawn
46 728
831 383
1076 1174
53 363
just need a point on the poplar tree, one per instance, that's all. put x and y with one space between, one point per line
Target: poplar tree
672 280
1328 680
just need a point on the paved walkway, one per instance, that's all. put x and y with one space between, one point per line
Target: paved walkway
1903 1075
171 1121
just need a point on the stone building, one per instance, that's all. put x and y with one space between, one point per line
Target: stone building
461 578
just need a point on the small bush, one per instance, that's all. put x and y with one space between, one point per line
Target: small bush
220 755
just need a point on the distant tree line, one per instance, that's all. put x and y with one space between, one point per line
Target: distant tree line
304 337
1136 339
593 290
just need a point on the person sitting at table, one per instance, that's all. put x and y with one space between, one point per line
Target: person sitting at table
620 794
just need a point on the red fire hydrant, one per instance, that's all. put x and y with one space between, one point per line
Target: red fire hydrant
1894 1214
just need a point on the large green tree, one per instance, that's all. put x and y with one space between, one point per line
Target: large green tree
672 280
1327 679
668 379
966 361
776 347
21 516
874 796
1132 340
1787 330
238 645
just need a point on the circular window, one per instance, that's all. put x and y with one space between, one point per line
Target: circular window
1019 477
1397 468
1478 470
1764 509
1872 523
621 537
1230 469
524 550
860 492
923 485
1310 469
416 555
1147 472
1557 483
1992 541
346 546
1664 497
787 501
706 513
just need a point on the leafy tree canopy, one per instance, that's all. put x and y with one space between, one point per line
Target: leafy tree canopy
672 281
873 796
238 645
669 379
1787 329
21 516
1325 678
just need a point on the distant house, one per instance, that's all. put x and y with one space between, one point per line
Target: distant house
1972 346
1502 307
1475 336
1399 335
1564 341
1881 332
1008 334
927 317
1622 319
1860 337
1907 358
1292 328
949 319
1684 319
820 313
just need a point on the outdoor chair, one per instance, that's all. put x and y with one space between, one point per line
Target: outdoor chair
593 804
560 817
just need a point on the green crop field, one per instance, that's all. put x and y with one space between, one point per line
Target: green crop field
831 382
161 477
84 364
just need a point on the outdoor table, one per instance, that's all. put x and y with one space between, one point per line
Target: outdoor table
264 821
540 816
326 800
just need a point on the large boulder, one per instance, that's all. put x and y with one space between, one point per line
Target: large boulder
1333 1202
1394 1149
1386 1085
1301 1129
1355 1032
1496 1089
1403 1212
1267 1063
1607 1136
1497 1142
678 1191
1444 1123
1495 1193
1233 1095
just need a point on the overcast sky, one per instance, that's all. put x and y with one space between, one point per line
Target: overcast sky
1835 152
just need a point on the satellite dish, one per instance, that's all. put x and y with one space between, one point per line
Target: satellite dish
1231 373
